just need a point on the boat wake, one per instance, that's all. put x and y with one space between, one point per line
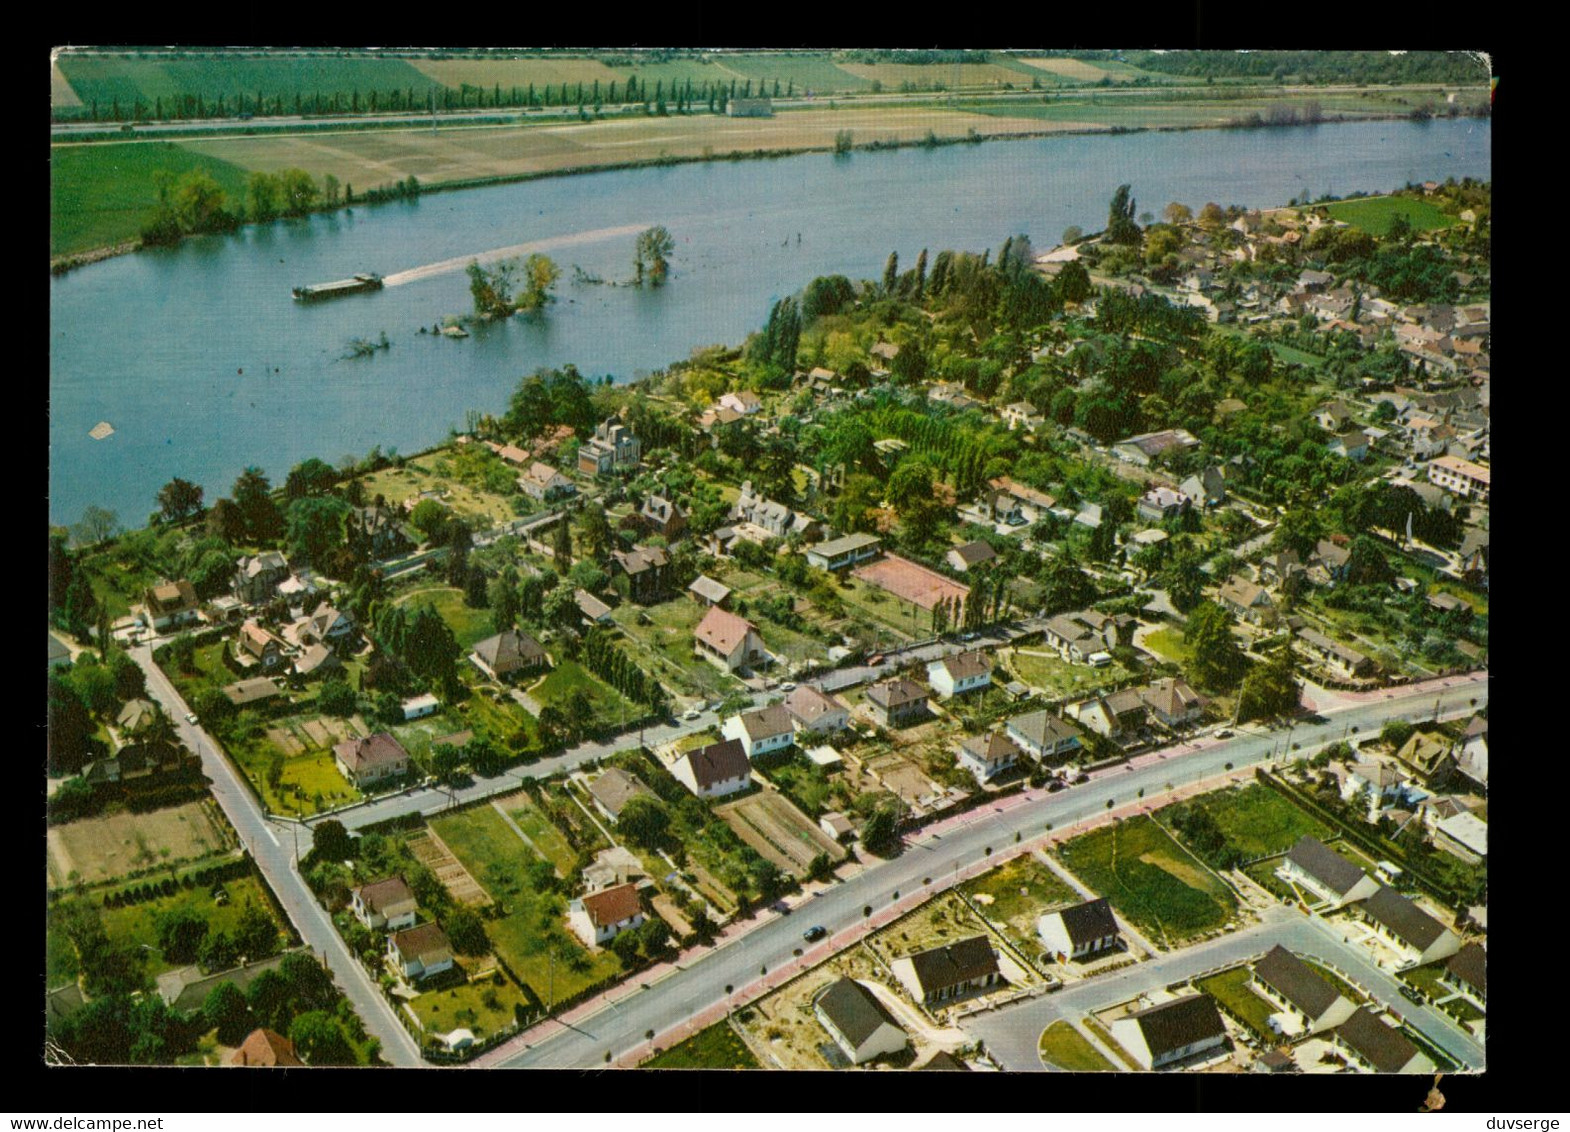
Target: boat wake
550 243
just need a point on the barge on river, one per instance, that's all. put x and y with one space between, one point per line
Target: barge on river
353 286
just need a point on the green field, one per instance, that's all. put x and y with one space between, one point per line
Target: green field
1021 892
716 1047
1057 677
545 836
663 648
1065 1047
1375 214
102 194
1258 820
1150 880
567 677
467 624
532 924
1231 990
1168 643
806 72
106 79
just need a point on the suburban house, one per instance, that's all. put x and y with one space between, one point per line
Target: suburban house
1343 660
1014 503
729 641
744 402
612 448
1332 416
715 770
1246 600
1077 637
972 554
1079 932
1161 503
1172 702
662 517
837 826
420 952
1428 755
418 707
545 483
601 916
1172 1031
256 577
327 625
956 675
1352 445
1381 784
1310 1003
1021 414
1461 477
614 788
1467 974
645 569
1328 564
762 730
266 1049
989 755
860 1025
1326 874
772 517
1208 486
136 715
388 904
372 759
1146 448
260 646
135 763
894 703
839 553
509 653
812 710
706 591
1465 835
245 693
953 971
1417 935
1044 736
384 530
1377 1047
1122 713
170 604
592 609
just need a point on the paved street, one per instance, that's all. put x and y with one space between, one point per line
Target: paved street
1011 1033
673 1000
274 855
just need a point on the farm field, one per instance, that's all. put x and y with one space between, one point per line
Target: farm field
1375 214
779 831
1231 990
1258 821
716 1047
1065 1047
1150 879
100 849
102 194
802 73
932 76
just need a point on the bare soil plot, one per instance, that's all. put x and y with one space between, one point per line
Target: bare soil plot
900 776
779 831
430 851
939 921
782 1028
910 582
320 736
103 848
60 92
1070 69
285 740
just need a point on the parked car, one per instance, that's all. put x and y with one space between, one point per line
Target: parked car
691 713
1224 733
1054 786
1413 994
190 717
1082 777
814 933
787 687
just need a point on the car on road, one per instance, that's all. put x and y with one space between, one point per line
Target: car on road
1225 733
969 636
1054 786
875 658
814 933
787 687
1413 994
691 713
1083 777
190 717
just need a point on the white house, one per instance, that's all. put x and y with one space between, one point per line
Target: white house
601 916
956 675
744 402
1310 1004
419 953
987 756
1075 933
762 730
729 641
1413 932
1378 1047
388 904
1325 874
837 554
716 770
1172 1031
372 759
812 710
859 1024
1044 735
952 971
420 706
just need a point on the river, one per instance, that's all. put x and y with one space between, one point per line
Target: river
202 363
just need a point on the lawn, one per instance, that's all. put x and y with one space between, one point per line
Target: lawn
1231 990
485 1005
1168 643
1375 214
1259 821
308 781
1056 677
137 924
99 849
103 194
716 1047
1065 1047
567 677
1017 894
663 647
545 836
805 783
469 625
1150 879
1426 979
1352 994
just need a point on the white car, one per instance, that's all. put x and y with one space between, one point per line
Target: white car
190 717
787 687
691 713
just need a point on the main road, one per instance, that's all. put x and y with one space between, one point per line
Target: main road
703 984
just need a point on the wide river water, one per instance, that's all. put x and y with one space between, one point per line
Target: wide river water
203 363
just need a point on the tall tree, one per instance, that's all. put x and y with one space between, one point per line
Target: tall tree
891 273
654 246
1121 228
179 499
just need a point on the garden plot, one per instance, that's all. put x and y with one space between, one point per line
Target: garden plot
432 852
103 848
779 832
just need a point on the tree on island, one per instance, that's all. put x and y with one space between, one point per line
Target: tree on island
493 288
650 255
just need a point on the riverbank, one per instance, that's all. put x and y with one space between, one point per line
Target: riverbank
484 156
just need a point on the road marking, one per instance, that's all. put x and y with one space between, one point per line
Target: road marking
268 830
